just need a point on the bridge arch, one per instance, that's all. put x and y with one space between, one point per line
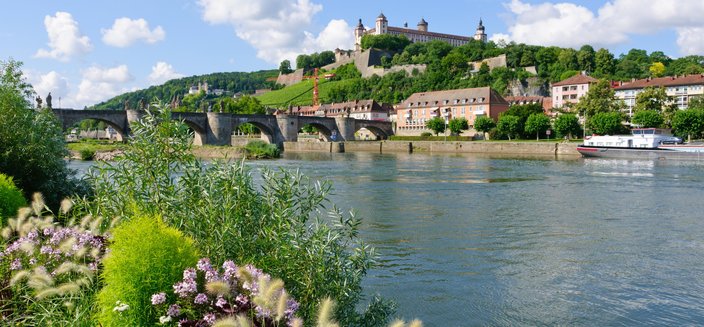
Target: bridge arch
267 132
325 131
199 134
378 132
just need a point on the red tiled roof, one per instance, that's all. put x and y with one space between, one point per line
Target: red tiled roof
576 80
663 81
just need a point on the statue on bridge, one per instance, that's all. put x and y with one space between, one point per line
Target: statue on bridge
141 105
39 102
127 105
48 101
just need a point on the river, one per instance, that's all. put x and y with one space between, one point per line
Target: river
476 240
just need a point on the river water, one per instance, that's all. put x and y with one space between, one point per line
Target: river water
475 240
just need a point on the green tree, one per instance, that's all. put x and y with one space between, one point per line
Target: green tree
32 142
484 124
604 63
606 123
656 99
285 67
388 42
586 58
457 125
436 124
537 124
567 125
647 118
689 122
568 59
599 99
508 125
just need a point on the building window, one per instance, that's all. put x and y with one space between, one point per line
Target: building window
565 88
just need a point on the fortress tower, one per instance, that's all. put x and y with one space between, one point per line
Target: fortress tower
382 25
358 33
480 35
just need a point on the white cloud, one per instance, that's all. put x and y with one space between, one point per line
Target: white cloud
571 25
500 37
125 32
162 72
65 40
277 29
99 84
691 40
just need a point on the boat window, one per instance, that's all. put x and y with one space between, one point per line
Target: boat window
648 132
658 132
637 132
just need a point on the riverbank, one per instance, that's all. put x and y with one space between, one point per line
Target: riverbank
488 147
479 147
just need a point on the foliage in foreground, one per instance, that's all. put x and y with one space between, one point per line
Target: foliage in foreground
145 257
11 198
282 225
32 142
49 271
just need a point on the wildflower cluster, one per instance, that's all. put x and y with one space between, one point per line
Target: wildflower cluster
51 259
207 295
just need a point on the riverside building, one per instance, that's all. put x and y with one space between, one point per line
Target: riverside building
680 89
414 112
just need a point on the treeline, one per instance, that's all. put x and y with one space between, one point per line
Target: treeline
449 67
232 83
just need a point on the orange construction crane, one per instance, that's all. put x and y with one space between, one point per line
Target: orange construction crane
315 87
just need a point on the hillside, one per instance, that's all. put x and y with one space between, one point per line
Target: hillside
300 94
231 82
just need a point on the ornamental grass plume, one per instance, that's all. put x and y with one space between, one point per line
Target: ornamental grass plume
49 265
325 314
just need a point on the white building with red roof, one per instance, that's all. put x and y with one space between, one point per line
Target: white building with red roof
679 88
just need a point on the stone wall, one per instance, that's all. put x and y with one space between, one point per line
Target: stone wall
508 148
290 79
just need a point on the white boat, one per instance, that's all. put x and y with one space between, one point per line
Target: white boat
643 143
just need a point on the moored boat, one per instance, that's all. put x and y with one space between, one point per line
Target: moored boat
643 143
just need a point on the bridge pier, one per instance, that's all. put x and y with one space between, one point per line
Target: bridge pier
347 127
219 129
289 127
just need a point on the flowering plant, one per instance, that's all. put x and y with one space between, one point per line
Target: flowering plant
51 259
207 295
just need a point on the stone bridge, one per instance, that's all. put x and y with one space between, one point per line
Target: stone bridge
217 128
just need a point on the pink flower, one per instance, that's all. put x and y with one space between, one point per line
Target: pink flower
204 265
201 299
158 298
189 273
209 318
220 303
184 288
174 310
16 264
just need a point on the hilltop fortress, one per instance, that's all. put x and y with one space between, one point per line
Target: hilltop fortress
368 61
421 34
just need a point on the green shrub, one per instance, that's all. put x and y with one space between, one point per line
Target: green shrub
426 134
261 150
11 198
145 258
32 146
86 154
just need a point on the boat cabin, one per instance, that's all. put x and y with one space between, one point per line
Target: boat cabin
648 138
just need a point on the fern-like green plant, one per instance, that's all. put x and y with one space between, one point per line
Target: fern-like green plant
145 257
11 198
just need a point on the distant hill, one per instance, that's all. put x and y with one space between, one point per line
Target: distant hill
232 83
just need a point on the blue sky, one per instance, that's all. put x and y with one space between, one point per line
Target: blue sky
88 51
